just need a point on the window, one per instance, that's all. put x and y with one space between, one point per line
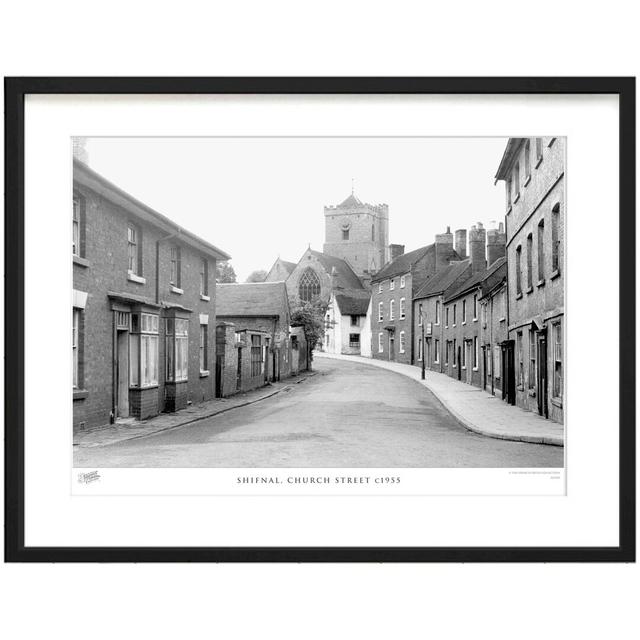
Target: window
420 314
475 353
541 251
454 315
475 306
496 362
309 287
354 340
133 250
143 350
402 282
345 234
204 343
520 365
446 317
380 343
392 284
538 151
174 276
380 287
402 308
355 321
177 349
256 355
75 246
527 160
380 311
75 347
464 354
437 311
519 271
532 359
555 239
392 310
557 360
436 351
489 359
204 277
529 262
402 342
516 181
484 313
446 352
464 311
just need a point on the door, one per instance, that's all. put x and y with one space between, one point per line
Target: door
239 370
219 370
392 347
508 373
469 361
122 374
485 349
459 363
543 406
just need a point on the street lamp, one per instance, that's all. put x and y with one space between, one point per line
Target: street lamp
422 343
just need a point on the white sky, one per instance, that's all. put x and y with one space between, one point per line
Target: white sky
257 198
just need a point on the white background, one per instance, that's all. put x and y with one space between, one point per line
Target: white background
320 601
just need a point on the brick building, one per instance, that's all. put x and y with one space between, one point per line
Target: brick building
533 172
392 292
254 340
143 307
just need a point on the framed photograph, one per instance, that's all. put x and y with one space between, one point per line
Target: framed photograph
320 319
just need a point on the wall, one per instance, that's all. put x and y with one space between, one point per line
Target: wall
103 268
493 331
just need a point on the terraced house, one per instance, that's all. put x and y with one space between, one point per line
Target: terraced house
533 173
143 307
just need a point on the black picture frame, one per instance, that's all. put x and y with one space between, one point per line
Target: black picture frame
15 91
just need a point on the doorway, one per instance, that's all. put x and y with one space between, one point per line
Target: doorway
239 370
392 347
122 374
459 356
543 406
468 361
508 372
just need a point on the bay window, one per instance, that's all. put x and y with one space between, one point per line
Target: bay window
143 350
177 349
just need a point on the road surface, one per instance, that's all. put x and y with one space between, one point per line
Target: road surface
347 415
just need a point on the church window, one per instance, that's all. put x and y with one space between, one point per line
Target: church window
309 287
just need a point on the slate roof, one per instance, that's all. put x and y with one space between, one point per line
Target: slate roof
485 280
351 201
402 264
353 302
263 299
443 279
346 278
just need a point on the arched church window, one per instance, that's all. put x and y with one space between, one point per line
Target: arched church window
309 286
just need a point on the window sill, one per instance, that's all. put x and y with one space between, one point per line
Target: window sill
175 382
475 320
556 402
516 198
402 317
538 162
453 326
502 320
176 290
205 298
81 262
554 274
527 180
464 322
204 374
132 277
80 394
529 289
540 283
519 295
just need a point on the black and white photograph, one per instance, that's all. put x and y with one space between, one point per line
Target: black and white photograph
318 302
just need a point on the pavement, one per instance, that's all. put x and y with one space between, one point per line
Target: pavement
349 414
131 429
476 409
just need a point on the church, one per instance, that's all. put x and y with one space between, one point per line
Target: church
356 247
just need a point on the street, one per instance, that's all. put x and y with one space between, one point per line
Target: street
347 415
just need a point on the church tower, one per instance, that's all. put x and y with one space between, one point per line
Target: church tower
358 233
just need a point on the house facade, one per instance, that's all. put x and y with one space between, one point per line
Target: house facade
497 373
143 309
348 323
392 292
533 172
254 338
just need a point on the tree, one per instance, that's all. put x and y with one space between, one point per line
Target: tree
225 273
259 275
310 316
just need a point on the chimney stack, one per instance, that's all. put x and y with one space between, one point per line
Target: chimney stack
396 250
477 248
461 243
496 244
80 149
444 249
